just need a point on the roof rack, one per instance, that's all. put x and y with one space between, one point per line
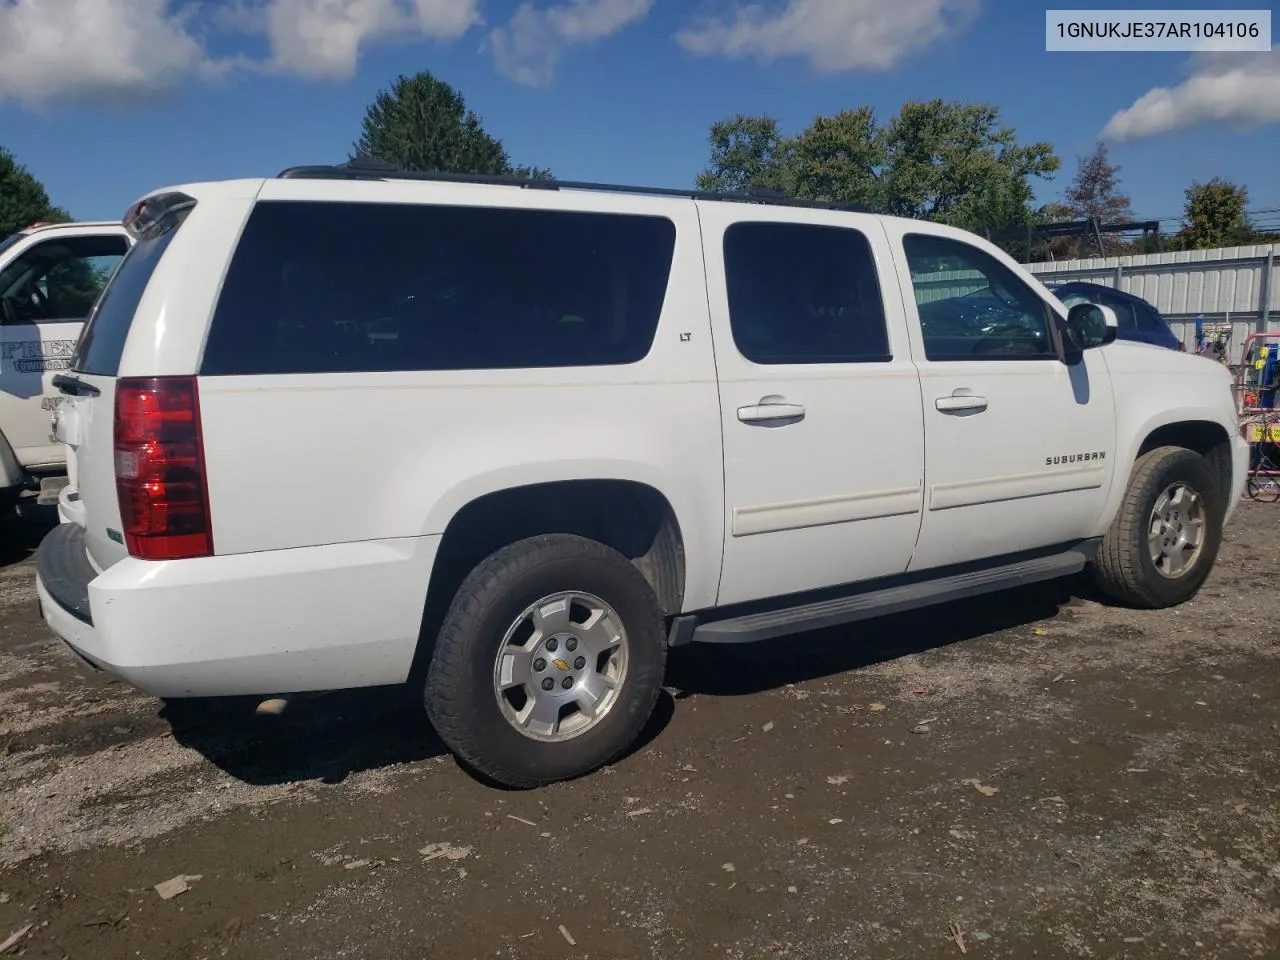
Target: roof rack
366 168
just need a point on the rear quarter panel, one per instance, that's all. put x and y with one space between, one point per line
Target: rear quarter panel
172 319
309 459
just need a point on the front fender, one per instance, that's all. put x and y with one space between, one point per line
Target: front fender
1156 389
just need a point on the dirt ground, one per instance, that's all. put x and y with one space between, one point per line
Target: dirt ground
1030 775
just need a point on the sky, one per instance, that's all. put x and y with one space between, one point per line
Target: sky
104 100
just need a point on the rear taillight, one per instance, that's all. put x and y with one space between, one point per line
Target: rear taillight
164 500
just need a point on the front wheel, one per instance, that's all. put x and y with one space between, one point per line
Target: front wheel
1164 539
548 663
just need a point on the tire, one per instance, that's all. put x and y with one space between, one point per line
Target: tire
9 497
481 725
1124 567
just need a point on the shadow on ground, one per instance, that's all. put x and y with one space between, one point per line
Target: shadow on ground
331 737
326 738
740 670
22 529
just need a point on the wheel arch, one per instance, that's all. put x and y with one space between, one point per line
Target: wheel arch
632 517
1208 438
1200 430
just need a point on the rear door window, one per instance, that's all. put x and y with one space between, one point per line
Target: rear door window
346 287
804 293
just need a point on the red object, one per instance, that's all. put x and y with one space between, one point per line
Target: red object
160 474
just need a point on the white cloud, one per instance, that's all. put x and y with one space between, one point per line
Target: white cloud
835 35
1239 90
322 39
94 50
528 47
91 51
88 51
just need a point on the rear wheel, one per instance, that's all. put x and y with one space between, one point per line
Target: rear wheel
548 663
1165 537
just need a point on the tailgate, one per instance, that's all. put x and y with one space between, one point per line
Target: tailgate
85 423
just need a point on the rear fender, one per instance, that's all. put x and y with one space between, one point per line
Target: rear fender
697 508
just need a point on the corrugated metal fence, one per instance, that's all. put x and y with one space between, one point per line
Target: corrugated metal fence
1235 284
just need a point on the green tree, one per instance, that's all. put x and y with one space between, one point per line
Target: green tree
837 159
954 162
937 159
23 200
1215 216
422 123
744 156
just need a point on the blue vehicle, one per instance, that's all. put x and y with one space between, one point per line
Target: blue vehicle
1139 320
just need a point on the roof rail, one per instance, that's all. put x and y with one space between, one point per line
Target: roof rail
366 168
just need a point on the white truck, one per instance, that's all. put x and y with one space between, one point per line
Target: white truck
50 276
586 424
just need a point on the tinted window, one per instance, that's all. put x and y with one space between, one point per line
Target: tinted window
1069 300
1124 312
102 342
343 287
58 279
1149 321
972 307
803 294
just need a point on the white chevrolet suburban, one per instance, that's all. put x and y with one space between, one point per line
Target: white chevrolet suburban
510 441
50 276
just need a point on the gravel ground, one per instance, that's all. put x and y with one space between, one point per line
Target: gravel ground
1030 775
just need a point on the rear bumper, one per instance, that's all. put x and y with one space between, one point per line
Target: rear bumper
285 621
64 571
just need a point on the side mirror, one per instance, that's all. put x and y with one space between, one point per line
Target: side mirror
1089 325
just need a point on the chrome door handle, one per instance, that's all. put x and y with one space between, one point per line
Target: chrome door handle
961 404
771 411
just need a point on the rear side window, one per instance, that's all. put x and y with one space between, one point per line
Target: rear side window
802 293
348 287
102 343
